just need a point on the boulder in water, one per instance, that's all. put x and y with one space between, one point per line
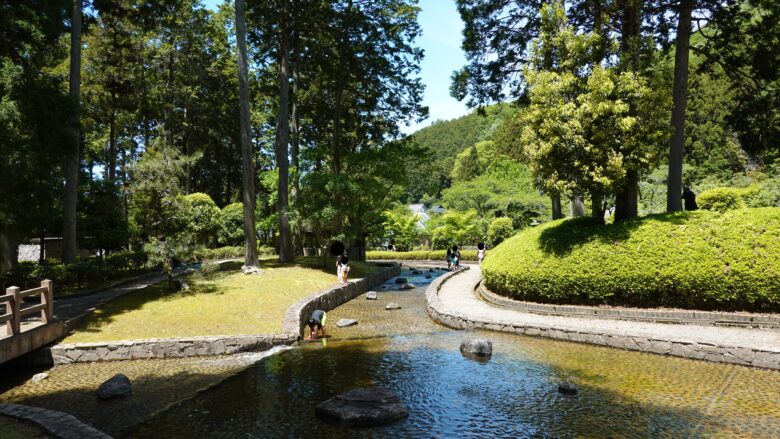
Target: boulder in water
430 270
392 305
417 272
428 276
567 388
367 407
346 322
371 295
401 280
116 387
478 347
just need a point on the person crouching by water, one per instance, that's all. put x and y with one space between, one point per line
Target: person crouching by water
455 257
316 324
342 268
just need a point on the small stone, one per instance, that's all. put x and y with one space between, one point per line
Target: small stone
407 286
346 322
116 387
392 305
39 377
430 270
401 280
250 270
567 388
368 407
478 347
428 276
371 295
417 272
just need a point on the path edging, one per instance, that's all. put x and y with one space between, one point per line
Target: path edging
693 350
674 316
59 424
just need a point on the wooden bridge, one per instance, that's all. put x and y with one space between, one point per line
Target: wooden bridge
26 327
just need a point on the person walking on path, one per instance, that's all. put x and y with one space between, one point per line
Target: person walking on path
316 324
449 259
480 252
342 267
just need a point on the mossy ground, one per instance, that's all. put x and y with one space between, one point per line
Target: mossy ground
220 303
11 428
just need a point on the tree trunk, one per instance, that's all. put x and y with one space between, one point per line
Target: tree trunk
337 131
597 209
9 251
188 152
630 33
677 144
576 208
42 247
247 156
626 199
285 247
70 203
294 145
112 146
557 212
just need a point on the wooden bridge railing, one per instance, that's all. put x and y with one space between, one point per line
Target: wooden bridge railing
13 300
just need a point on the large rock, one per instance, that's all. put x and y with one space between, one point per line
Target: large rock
417 272
478 347
371 295
407 286
117 386
430 270
346 322
368 407
401 280
567 388
428 276
246 269
392 305
39 377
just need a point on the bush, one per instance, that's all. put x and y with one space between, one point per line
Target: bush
231 231
228 252
499 230
205 217
721 199
423 255
702 259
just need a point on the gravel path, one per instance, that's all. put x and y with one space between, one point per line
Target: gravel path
458 296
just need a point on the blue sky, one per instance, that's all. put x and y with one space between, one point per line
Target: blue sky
441 38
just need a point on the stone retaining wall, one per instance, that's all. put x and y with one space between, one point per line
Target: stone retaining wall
165 348
679 316
61 425
693 350
298 314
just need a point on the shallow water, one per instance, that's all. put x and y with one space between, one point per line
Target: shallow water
621 393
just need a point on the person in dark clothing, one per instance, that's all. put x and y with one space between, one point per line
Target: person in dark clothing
689 198
455 257
316 324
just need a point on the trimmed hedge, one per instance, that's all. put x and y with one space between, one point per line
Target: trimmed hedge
699 260
419 255
721 199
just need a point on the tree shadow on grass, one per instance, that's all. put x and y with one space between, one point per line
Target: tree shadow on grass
562 238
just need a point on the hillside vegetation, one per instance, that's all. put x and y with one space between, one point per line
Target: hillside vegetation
701 260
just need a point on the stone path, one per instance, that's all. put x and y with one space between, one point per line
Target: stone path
458 305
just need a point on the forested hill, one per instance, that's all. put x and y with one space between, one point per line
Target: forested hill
443 141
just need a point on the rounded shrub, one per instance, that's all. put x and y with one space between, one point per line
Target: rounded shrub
721 199
702 259
231 231
419 255
499 230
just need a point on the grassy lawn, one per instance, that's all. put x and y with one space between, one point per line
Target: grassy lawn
221 303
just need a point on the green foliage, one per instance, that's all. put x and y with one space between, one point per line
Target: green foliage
467 165
500 229
101 221
402 228
231 230
420 255
229 252
701 259
455 228
443 141
205 219
721 199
